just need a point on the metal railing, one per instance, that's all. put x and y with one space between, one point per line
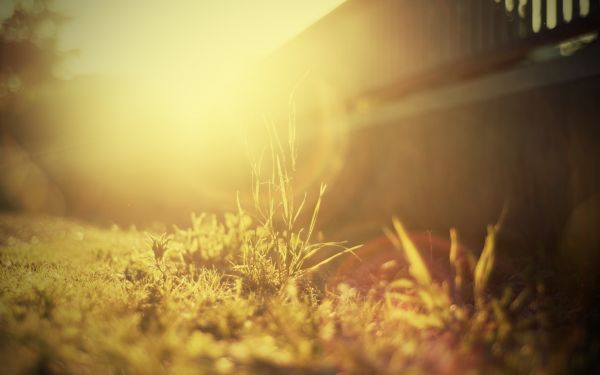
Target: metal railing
441 39
467 27
373 51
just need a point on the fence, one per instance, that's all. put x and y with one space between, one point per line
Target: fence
439 40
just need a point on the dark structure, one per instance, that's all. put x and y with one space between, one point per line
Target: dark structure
446 112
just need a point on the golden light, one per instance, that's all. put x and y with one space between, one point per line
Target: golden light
149 104
186 54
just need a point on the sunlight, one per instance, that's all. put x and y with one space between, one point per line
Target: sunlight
148 92
187 52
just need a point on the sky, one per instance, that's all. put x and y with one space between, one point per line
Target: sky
177 46
193 40
187 54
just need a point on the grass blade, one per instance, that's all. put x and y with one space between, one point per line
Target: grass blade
417 267
485 265
324 262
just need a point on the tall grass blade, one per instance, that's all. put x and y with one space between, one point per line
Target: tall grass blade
454 260
313 220
485 265
300 207
417 267
334 256
284 197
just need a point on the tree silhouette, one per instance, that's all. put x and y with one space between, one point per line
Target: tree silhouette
28 49
28 56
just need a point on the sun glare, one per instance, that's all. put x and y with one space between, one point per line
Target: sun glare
186 51
148 89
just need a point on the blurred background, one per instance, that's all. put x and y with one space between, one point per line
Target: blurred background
126 111
444 113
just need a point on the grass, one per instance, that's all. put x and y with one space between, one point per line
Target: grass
76 299
239 294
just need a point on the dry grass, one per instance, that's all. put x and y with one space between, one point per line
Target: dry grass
76 299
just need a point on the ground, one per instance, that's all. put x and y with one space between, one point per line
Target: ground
205 299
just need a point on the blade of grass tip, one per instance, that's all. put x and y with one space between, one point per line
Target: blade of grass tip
239 204
454 260
292 131
393 238
485 264
313 220
311 250
273 180
454 248
336 255
417 267
256 173
271 211
283 190
291 201
300 207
